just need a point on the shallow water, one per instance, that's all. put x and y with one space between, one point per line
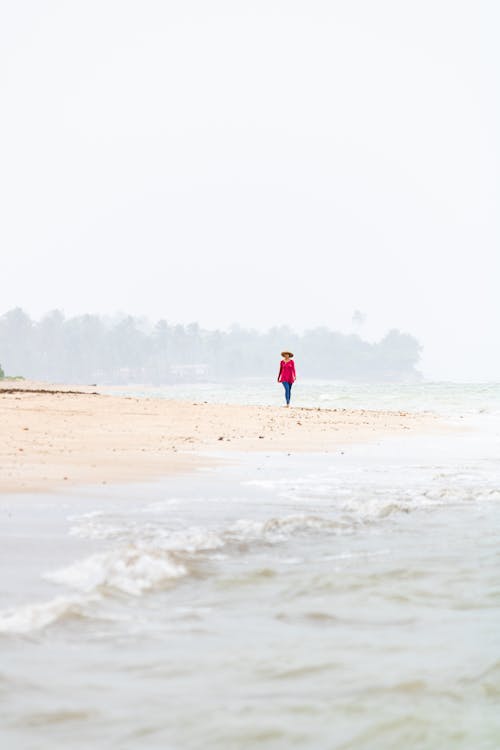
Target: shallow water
349 600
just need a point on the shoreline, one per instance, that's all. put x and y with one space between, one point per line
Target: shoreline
53 436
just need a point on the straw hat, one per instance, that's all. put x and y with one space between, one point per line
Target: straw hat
289 354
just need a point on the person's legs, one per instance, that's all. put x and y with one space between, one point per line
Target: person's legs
287 387
289 393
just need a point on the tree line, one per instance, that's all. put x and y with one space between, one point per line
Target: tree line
126 349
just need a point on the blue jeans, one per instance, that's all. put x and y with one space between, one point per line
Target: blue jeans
288 391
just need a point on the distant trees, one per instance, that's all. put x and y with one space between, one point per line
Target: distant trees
16 340
90 348
2 374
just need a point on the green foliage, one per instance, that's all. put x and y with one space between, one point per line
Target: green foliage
89 348
2 374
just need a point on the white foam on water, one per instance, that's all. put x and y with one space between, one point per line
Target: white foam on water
275 530
391 490
127 571
130 571
32 617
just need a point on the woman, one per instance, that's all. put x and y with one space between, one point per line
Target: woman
286 374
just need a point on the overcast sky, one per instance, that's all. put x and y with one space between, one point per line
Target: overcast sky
258 162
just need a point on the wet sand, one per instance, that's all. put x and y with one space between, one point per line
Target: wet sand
52 435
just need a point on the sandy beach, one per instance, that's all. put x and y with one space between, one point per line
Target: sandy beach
54 435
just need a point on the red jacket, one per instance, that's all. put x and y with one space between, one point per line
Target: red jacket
287 371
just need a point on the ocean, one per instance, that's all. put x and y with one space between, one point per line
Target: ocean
348 600
451 399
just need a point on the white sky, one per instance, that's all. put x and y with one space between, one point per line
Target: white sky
258 162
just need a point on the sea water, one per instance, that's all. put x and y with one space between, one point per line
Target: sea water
441 397
343 600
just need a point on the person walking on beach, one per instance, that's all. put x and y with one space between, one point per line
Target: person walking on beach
286 374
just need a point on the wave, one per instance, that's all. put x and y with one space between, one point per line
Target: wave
361 504
36 616
150 558
147 555
129 571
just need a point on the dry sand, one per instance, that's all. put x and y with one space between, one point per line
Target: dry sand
52 436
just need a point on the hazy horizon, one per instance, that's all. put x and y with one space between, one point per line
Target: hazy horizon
266 164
